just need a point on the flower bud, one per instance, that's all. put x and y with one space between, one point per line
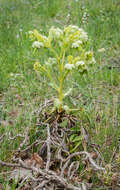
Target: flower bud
37 66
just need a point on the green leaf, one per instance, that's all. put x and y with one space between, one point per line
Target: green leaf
77 129
76 146
72 137
77 138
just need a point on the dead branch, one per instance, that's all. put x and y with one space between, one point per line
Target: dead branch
47 103
15 137
49 175
22 182
37 142
64 167
14 165
1 138
48 148
55 147
88 156
74 166
42 184
26 137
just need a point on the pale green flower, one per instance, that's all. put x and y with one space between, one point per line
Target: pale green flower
70 29
77 44
37 44
74 36
41 38
88 55
83 35
37 66
51 61
93 61
80 63
47 64
30 32
55 33
69 66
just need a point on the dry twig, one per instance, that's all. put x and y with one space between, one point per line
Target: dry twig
26 137
1 138
48 148
49 175
15 137
56 137
88 156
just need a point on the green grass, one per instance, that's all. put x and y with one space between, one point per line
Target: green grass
22 91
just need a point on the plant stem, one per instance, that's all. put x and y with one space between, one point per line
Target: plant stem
61 79
61 95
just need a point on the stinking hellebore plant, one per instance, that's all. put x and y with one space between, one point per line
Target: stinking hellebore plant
68 53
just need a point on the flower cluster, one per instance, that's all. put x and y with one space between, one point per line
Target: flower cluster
75 37
40 40
80 63
85 15
55 33
51 62
70 37
68 53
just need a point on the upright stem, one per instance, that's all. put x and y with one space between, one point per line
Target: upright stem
61 79
61 95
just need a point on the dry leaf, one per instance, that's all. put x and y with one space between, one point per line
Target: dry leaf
1 187
4 123
38 160
94 155
115 179
13 113
21 173
85 134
